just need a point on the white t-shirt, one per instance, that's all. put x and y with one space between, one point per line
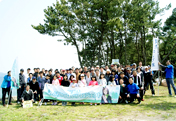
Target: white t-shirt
82 83
102 82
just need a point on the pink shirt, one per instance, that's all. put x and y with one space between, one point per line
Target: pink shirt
93 83
56 82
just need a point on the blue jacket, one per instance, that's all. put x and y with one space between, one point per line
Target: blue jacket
169 72
42 82
6 81
133 89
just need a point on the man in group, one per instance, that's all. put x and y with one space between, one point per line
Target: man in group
27 74
59 77
148 80
22 85
35 73
140 65
71 73
92 73
102 71
133 91
41 80
77 74
125 78
34 86
6 85
27 95
51 76
169 70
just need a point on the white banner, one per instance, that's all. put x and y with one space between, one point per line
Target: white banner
155 60
96 94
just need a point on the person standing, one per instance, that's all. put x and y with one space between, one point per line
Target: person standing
21 86
6 85
169 70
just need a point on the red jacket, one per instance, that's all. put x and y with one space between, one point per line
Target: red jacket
60 78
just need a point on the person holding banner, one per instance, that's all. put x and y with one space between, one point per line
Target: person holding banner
73 85
27 95
6 85
169 70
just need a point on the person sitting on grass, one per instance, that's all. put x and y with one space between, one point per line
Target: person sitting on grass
123 92
133 91
27 95
73 85
93 83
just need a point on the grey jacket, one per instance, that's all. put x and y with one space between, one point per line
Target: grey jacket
22 79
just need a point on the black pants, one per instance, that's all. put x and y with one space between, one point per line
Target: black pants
146 85
4 91
124 97
141 93
20 92
133 97
41 94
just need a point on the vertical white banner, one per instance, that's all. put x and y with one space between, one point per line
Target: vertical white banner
155 60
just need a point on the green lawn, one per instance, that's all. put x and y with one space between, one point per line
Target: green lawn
159 107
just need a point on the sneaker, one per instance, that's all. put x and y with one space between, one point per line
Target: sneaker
153 94
139 102
126 101
142 99
4 105
90 103
95 104
40 103
18 102
45 103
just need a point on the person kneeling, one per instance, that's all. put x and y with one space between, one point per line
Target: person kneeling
133 91
123 92
27 95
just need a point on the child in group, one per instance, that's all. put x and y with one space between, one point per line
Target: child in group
102 81
111 81
73 85
55 82
82 83
133 91
65 82
123 92
93 83
71 78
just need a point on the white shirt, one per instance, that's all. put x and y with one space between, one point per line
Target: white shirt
26 77
102 82
75 84
88 80
111 83
82 83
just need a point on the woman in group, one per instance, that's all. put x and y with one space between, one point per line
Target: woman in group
102 81
93 83
82 83
111 81
88 78
65 82
56 83
73 84
71 78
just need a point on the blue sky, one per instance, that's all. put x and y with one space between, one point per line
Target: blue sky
19 39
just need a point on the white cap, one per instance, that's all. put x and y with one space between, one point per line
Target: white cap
97 66
82 74
108 70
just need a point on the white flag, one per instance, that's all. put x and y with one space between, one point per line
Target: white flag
155 60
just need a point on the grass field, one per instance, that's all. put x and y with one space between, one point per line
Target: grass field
159 107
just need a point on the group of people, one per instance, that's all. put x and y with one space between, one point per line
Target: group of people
133 80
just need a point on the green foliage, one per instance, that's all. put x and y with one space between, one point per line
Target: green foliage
106 30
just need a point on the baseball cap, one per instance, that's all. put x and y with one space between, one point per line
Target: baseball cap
82 74
73 79
33 77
